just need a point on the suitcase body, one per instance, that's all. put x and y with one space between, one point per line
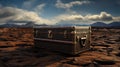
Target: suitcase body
69 40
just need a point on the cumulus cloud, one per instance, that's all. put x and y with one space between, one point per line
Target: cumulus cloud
16 14
116 19
103 16
67 6
39 8
68 17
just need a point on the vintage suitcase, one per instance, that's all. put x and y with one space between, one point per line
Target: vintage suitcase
69 40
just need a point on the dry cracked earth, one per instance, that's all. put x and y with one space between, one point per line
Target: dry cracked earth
17 50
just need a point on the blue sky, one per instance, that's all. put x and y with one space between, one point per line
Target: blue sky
60 11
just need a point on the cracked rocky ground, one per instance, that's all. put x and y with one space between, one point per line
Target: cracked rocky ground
16 50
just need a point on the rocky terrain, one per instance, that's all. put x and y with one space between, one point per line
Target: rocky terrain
17 50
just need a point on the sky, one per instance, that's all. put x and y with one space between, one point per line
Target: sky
60 11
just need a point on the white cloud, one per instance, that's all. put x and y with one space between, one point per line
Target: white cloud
116 19
68 17
67 6
39 8
103 16
16 14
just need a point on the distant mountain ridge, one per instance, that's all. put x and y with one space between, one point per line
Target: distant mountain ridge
99 24
102 24
113 24
18 24
21 24
32 24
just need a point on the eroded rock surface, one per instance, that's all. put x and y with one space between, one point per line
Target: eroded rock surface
16 50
